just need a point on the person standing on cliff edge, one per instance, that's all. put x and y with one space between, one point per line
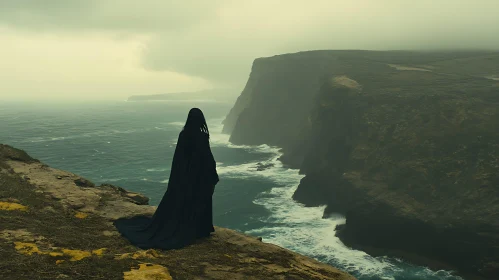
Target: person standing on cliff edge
185 211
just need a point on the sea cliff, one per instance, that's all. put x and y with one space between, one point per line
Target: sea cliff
405 144
57 225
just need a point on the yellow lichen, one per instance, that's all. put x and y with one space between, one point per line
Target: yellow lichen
148 272
27 248
76 255
99 252
122 256
81 215
10 206
59 261
151 253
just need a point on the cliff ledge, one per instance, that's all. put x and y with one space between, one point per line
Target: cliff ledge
56 225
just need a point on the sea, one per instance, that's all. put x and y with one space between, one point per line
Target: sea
131 144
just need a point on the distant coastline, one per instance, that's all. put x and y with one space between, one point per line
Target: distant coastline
179 100
213 95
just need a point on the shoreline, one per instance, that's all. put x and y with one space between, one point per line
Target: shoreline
407 256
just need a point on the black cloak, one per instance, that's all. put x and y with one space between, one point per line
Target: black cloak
185 212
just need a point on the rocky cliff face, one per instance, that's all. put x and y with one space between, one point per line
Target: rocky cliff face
57 225
277 97
405 144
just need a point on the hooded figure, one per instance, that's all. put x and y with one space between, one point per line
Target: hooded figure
185 212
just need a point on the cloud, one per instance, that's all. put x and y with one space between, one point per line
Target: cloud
218 39
90 67
125 15
223 49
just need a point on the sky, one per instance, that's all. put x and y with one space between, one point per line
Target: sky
109 50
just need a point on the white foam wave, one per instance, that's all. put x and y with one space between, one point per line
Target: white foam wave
157 169
296 227
176 123
101 133
217 138
495 78
275 172
302 229
113 179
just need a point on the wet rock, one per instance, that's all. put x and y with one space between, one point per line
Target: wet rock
490 269
263 166
340 227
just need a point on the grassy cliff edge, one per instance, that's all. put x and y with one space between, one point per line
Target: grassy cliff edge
57 225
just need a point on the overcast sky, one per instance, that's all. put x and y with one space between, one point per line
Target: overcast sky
103 49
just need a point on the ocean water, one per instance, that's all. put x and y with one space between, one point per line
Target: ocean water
131 144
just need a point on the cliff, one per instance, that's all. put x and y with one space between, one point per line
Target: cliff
58 225
405 144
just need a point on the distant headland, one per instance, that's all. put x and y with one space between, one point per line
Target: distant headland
215 95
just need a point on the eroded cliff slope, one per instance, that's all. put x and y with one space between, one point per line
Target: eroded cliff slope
406 144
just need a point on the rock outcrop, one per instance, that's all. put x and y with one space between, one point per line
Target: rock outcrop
405 144
57 225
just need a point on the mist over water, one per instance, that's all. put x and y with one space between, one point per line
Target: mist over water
132 145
